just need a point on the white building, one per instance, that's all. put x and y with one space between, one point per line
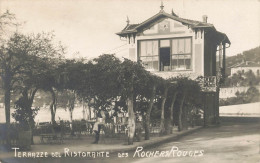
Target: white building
245 67
168 45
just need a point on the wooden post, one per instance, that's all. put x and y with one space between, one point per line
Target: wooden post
220 56
224 61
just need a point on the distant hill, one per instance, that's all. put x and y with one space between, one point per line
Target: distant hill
249 55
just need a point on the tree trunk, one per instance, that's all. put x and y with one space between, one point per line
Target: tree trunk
185 113
31 129
89 113
29 97
53 107
7 113
72 126
205 110
171 112
148 114
71 117
164 97
71 109
180 114
192 115
131 119
7 83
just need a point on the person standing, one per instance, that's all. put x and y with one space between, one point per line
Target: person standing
101 117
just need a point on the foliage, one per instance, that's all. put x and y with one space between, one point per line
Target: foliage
24 115
105 83
250 96
8 25
248 55
242 79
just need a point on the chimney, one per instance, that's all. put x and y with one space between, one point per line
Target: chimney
246 62
205 18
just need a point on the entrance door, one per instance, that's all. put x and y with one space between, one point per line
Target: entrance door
165 59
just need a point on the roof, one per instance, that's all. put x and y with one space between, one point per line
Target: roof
135 28
130 26
246 64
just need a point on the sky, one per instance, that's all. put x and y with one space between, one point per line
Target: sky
87 27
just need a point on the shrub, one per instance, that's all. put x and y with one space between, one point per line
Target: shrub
250 96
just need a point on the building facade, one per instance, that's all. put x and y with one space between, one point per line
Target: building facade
168 46
246 66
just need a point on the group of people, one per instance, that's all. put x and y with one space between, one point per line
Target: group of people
103 117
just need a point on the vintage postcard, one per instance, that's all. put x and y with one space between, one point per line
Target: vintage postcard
129 81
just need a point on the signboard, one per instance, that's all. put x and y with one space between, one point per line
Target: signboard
208 83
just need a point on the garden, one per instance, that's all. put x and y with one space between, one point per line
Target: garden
35 62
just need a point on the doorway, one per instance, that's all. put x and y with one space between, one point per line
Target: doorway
165 59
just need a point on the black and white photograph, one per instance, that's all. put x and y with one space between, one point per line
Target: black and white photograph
142 81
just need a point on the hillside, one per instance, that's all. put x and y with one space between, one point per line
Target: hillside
249 55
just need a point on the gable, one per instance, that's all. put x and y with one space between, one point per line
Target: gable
151 27
166 26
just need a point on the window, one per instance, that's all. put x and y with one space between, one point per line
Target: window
181 54
166 55
149 54
164 43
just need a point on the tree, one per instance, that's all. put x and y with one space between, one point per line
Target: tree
189 91
250 79
7 24
132 77
128 75
14 64
22 57
145 88
24 113
149 109
165 87
172 96
104 81
52 55
252 94
67 99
